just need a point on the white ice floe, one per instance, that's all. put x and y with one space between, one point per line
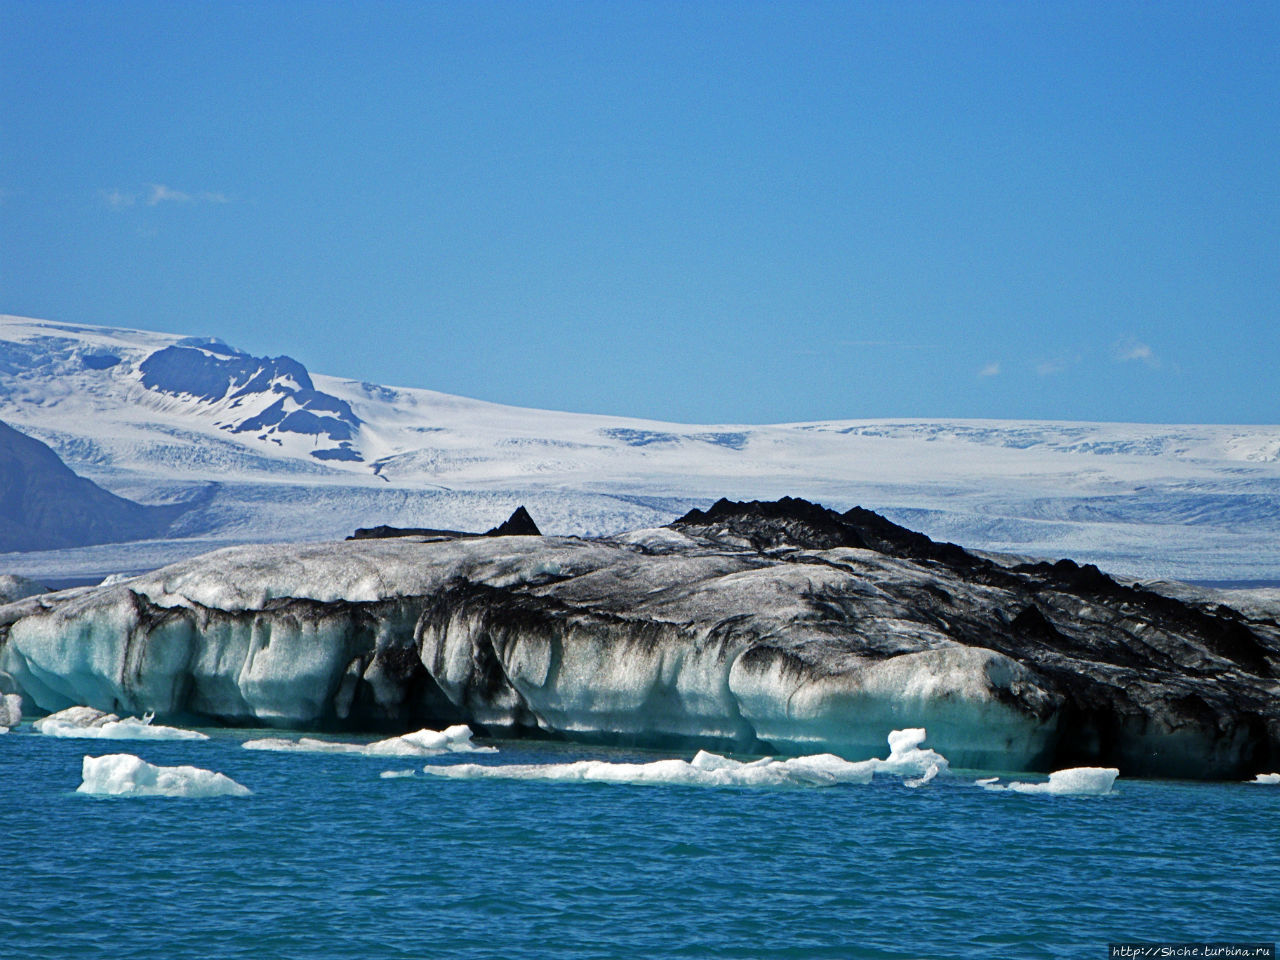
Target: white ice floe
124 775
90 724
1266 778
712 770
420 743
396 774
1077 781
10 711
921 781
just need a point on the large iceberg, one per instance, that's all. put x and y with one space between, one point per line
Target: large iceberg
777 628
124 775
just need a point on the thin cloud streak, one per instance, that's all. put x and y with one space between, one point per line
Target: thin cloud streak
118 199
164 194
1135 351
890 344
158 193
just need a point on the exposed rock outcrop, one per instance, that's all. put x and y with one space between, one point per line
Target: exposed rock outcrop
519 524
45 506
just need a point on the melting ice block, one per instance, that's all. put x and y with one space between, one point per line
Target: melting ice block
10 711
124 775
1266 778
712 770
420 743
1076 781
90 724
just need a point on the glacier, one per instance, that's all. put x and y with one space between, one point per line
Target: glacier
240 448
771 628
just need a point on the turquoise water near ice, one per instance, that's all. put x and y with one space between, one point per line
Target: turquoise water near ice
327 859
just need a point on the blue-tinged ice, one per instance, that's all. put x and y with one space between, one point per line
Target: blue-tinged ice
124 775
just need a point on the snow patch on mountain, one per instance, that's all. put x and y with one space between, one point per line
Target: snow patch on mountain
271 451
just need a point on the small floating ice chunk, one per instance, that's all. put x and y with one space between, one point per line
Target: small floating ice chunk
712 770
907 758
1077 782
10 711
90 724
396 774
124 775
1266 778
76 716
420 743
921 781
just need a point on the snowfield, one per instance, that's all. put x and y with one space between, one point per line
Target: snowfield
265 451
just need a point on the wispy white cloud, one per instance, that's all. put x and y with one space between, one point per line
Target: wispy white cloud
1048 368
118 199
1131 350
990 370
891 344
158 193
162 194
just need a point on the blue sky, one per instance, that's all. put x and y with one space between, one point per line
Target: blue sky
703 212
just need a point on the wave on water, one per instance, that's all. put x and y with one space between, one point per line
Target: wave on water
420 743
906 758
89 724
1076 782
124 775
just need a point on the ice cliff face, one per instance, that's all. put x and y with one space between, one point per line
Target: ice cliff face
779 627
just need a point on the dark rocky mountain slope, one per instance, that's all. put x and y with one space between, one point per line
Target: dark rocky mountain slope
45 506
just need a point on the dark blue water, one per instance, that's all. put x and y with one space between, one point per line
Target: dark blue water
328 860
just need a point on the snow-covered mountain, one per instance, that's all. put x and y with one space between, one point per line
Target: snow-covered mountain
264 450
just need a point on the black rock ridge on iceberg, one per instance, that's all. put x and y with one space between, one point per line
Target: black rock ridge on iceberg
519 524
762 627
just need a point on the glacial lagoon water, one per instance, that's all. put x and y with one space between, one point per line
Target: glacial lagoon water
327 858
